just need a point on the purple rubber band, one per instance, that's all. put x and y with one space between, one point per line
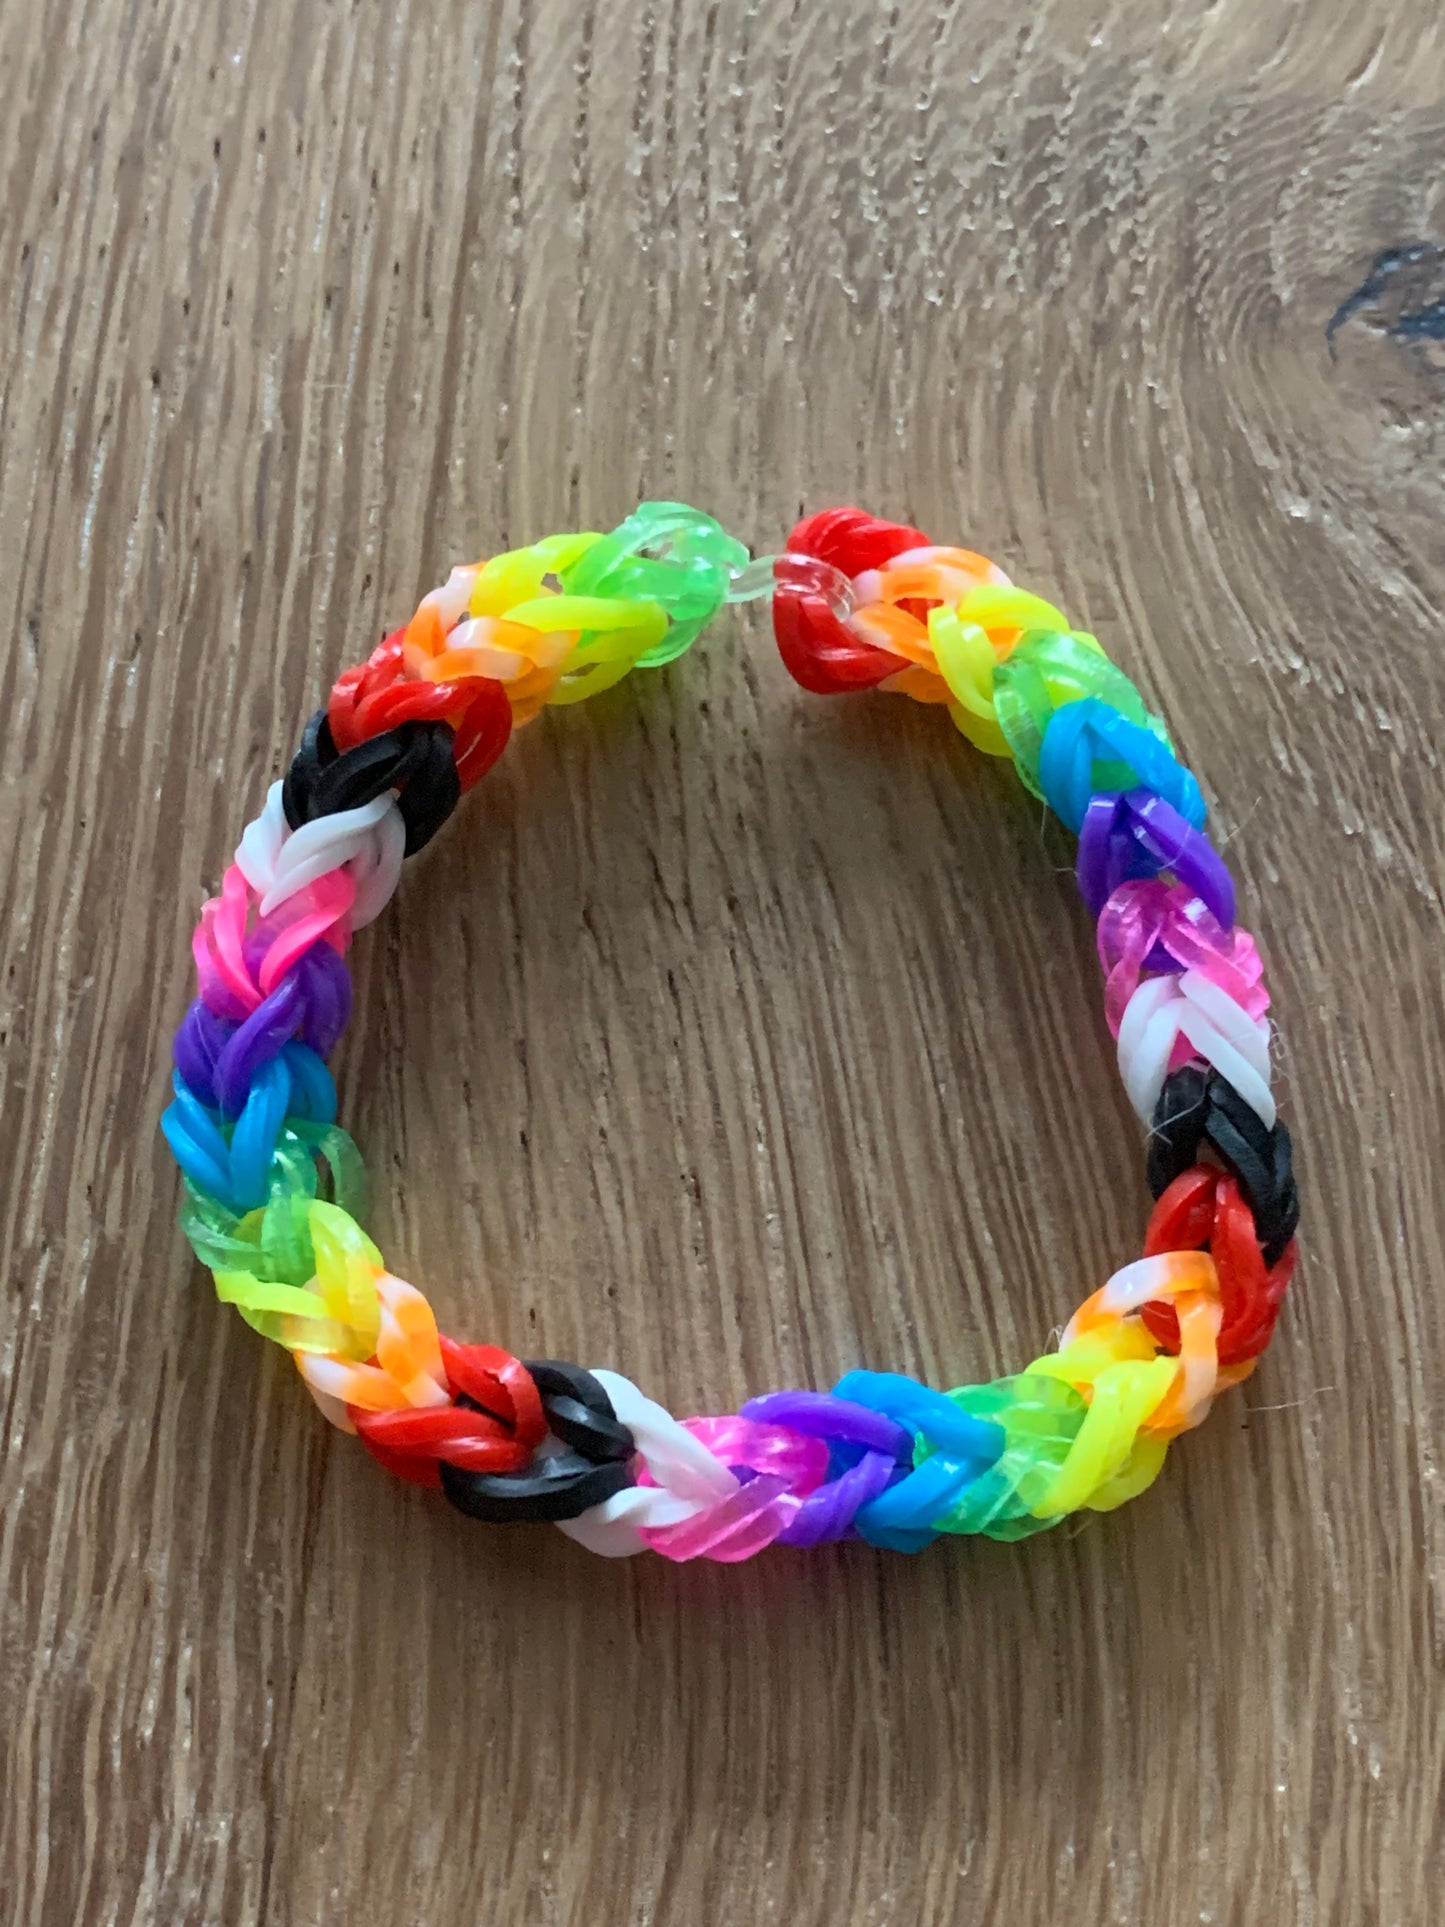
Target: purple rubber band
834 1419
270 1025
1101 851
1137 834
326 985
313 1000
197 1050
829 1512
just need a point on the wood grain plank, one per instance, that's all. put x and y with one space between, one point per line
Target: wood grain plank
729 1036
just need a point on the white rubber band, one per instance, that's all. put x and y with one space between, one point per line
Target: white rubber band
680 1463
1220 1031
689 1479
612 1528
369 841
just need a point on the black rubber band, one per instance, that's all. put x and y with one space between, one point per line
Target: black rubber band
579 1410
588 1432
557 1487
555 1377
1197 1107
415 759
433 788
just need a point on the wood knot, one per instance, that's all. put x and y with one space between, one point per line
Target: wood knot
1402 296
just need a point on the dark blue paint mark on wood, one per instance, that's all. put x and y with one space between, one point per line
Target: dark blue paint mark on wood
1404 295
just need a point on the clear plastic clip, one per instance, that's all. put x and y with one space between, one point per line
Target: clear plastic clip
767 573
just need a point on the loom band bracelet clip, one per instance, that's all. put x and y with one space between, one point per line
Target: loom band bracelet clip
813 602
765 575
1131 834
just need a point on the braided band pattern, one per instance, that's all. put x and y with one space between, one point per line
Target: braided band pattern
274 1189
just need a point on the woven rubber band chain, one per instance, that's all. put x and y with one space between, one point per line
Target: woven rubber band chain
274 1188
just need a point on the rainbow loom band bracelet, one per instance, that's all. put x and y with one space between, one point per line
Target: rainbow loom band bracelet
857 603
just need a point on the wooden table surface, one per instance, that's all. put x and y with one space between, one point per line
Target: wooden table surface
730 1036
